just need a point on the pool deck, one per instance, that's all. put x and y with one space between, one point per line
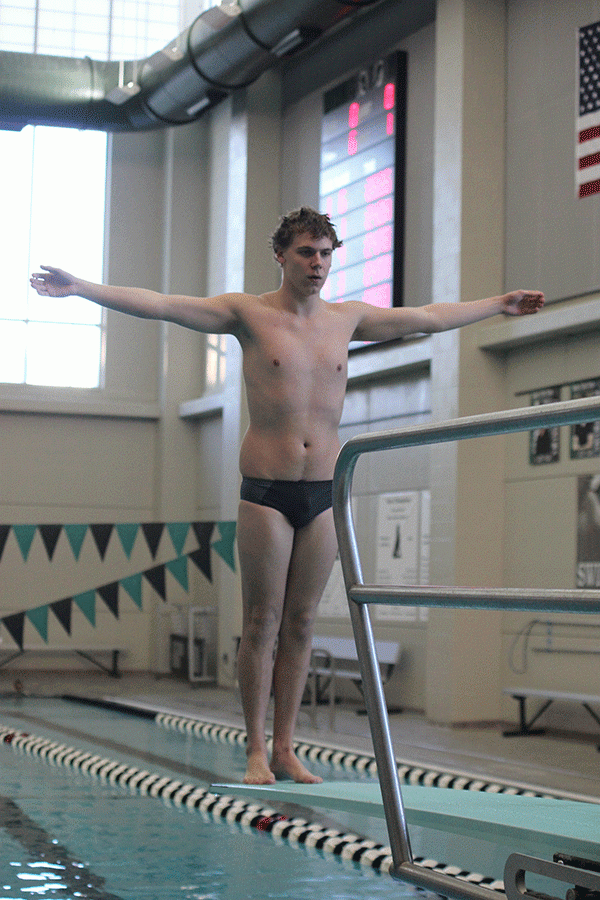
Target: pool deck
546 762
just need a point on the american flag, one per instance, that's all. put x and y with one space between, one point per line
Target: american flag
587 151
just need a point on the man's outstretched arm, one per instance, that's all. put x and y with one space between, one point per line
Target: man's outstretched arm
390 324
207 314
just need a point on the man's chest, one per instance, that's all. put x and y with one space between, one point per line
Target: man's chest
299 355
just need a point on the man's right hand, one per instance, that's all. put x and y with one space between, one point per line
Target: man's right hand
53 282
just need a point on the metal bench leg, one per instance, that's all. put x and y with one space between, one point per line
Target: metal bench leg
524 725
594 716
110 670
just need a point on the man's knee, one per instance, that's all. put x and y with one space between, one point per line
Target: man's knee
261 627
299 625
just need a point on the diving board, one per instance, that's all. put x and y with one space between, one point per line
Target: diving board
571 826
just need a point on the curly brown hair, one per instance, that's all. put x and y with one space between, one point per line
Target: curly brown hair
300 221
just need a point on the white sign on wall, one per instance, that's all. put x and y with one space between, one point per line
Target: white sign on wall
402 552
401 556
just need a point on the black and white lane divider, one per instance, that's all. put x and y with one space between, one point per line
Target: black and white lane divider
297 830
346 759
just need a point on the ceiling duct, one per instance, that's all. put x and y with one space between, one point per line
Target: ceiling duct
224 49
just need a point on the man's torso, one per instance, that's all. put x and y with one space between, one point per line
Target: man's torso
295 370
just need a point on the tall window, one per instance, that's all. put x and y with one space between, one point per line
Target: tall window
53 212
54 186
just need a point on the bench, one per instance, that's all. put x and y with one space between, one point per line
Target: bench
337 657
89 653
549 697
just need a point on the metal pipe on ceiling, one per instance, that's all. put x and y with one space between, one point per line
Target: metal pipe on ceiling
225 49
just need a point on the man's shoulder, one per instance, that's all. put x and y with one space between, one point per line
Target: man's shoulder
239 302
348 309
251 311
239 297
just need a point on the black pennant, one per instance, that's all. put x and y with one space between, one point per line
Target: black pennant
4 532
201 556
62 611
14 625
101 534
50 535
110 595
203 531
153 533
156 577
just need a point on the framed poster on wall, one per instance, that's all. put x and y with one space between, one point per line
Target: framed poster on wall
588 532
585 436
544 443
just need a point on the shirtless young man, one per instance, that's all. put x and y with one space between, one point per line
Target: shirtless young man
295 360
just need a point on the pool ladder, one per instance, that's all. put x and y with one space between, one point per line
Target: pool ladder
582 875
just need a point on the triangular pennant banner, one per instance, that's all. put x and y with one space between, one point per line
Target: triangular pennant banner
39 619
14 625
153 533
127 532
87 604
203 531
50 535
4 532
156 577
62 611
24 535
178 532
76 535
110 595
133 585
179 568
101 534
224 546
201 556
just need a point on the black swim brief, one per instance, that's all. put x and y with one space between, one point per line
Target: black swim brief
299 501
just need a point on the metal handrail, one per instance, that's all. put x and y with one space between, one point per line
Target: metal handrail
360 596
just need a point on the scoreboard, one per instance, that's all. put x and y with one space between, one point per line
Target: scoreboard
362 182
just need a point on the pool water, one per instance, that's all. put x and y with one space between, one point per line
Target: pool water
69 834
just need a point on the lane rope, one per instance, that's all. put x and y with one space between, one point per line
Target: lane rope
409 773
350 847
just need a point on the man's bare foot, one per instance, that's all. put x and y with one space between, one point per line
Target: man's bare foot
257 770
285 764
